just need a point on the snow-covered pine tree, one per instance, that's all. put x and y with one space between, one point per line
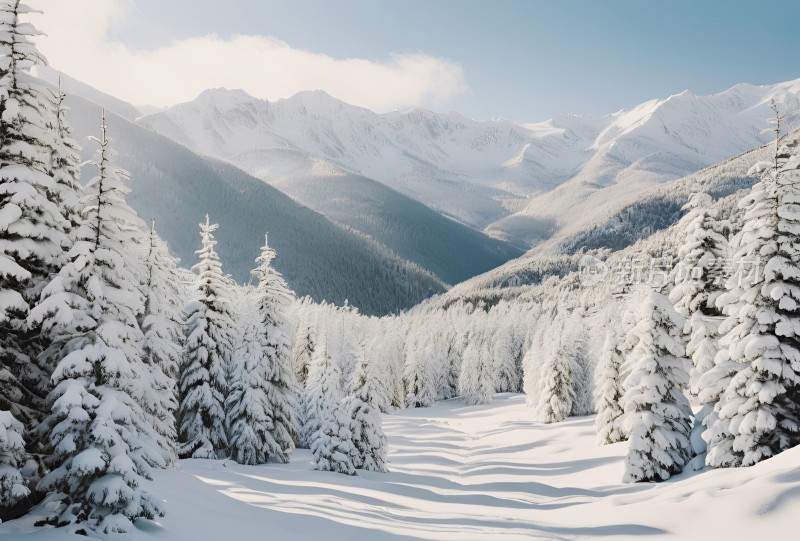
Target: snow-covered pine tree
332 441
609 421
12 456
305 338
103 445
208 352
394 353
162 325
540 351
698 283
418 374
575 343
261 400
476 384
305 424
657 414
453 343
558 390
758 364
249 417
165 298
302 353
64 163
505 357
274 299
33 230
368 391
380 351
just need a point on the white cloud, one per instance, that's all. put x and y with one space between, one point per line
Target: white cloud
77 43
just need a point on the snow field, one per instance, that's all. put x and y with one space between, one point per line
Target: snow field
467 473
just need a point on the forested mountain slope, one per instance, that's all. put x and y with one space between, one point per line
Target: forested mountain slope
318 257
451 250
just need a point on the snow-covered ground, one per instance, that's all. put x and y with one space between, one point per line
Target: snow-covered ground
460 473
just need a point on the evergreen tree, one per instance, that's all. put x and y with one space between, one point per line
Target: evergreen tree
476 384
12 456
506 352
162 322
33 230
249 417
305 423
419 375
758 412
305 339
261 401
103 446
609 391
332 441
274 298
368 390
163 340
558 391
576 347
657 414
207 355
698 283
302 352
64 163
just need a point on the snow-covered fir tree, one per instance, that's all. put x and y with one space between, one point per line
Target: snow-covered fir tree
540 351
332 442
64 163
305 339
758 412
273 301
161 323
249 417
419 374
476 384
698 281
208 352
657 414
576 346
103 445
12 457
557 395
261 399
302 352
506 352
305 424
609 421
33 229
367 392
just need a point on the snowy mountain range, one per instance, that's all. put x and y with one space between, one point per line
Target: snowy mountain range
521 182
421 187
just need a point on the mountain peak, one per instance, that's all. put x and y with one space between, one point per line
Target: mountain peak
225 97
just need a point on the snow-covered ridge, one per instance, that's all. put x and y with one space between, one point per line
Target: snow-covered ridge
505 177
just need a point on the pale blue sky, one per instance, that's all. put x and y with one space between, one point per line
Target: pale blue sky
522 59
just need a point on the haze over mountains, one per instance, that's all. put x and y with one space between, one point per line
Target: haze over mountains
524 183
